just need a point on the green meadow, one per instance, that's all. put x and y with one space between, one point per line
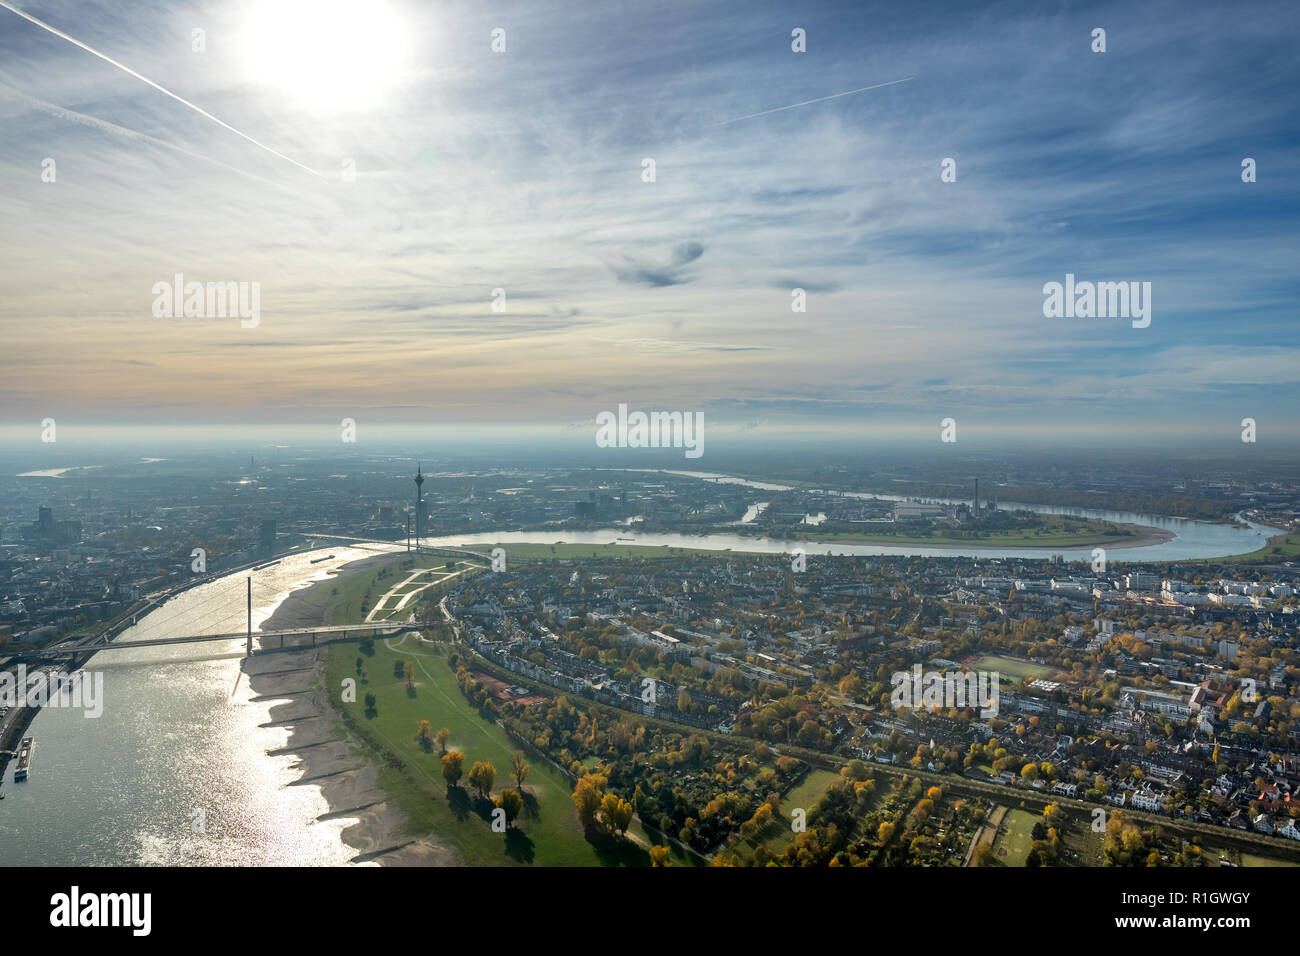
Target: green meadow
547 833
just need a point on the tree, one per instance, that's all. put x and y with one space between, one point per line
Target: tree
855 769
442 736
885 832
424 734
453 765
482 775
370 703
512 803
616 812
587 797
408 670
659 856
623 814
683 700
519 769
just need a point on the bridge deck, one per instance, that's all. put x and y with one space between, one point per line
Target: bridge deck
370 628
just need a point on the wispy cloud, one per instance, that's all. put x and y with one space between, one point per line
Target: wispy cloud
522 172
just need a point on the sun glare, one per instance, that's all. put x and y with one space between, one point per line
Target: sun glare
328 55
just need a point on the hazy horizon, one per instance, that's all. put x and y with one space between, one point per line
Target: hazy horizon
573 443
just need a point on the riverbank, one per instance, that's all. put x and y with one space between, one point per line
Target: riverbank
325 756
434 814
1138 536
1143 536
1278 548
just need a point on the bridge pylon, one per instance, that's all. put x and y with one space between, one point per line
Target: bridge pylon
248 647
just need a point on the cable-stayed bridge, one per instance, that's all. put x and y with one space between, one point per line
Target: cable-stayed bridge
269 640
190 620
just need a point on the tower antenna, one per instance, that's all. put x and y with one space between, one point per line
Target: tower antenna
419 504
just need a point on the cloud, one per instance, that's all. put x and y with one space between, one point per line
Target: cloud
522 172
647 272
804 284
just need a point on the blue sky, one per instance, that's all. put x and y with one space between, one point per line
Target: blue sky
522 170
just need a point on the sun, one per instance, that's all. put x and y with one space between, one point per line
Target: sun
327 55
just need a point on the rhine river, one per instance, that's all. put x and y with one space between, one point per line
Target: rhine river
177 737
177 771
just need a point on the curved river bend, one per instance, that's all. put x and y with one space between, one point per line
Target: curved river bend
181 734
1192 539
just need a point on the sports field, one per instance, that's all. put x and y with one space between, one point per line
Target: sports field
1025 670
1011 848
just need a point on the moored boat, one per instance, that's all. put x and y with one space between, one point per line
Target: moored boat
24 759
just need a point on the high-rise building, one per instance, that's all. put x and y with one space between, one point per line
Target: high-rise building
975 510
47 533
266 540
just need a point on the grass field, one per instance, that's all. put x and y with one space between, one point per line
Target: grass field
1012 667
806 793
548 832
409 585
1249 859
1282 547
1049 536
564 550
1011 848
349 588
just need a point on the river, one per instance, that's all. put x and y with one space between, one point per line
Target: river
181 734
1192 539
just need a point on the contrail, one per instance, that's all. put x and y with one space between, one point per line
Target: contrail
59 33
820 99
95 122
